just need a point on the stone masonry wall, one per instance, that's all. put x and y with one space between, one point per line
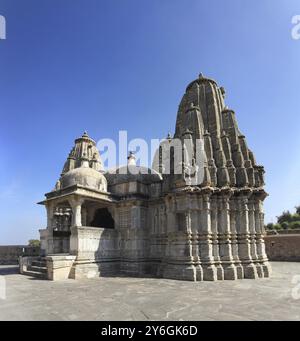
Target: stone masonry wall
9 254
283 247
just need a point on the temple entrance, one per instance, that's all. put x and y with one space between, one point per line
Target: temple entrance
103 218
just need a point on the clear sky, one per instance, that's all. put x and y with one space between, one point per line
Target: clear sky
103 65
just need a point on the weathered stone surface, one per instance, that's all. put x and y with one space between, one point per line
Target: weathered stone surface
59 266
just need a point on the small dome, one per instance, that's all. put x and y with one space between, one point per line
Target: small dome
84 176
133 173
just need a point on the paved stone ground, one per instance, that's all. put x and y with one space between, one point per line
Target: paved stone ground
151 299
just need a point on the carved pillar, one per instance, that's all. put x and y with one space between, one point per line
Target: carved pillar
234 221
205 241
214 218
243 238
252 237
260 244
49 246
194 220
76 205
77 214
225 250
50 213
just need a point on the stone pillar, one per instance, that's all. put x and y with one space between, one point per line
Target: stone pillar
50 213
243 238
234 220
76 204
76 208
225 250
194 217
44 236
252 237
214 212
260 244
205 241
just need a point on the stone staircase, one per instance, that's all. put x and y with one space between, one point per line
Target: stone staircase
36 267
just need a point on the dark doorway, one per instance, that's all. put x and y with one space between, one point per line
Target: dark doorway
103 219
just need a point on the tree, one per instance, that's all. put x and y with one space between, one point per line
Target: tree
294 225
277 227
285 216
269 226
297 209
34 243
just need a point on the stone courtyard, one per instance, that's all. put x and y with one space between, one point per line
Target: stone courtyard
123 298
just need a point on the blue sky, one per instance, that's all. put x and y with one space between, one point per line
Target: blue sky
106 65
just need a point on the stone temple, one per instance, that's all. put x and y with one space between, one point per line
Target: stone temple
144 222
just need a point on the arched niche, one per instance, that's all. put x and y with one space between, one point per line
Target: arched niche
103 218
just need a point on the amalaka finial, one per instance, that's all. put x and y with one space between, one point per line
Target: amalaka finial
201 75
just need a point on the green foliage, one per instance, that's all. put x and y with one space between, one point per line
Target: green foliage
286 216
294 225
285 225
277 227
269 226
286 220
296 217
34 243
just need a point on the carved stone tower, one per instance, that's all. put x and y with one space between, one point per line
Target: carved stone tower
215 227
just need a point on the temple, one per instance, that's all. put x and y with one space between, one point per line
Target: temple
198 221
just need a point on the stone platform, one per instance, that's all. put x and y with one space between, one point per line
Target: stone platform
120 298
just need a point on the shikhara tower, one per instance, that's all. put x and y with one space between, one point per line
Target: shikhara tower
141 222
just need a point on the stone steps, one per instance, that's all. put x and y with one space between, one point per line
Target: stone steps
34 268
35 274
37 267
39 263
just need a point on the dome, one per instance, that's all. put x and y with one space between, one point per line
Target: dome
84 176
133 173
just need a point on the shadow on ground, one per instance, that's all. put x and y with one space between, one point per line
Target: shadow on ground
9 270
